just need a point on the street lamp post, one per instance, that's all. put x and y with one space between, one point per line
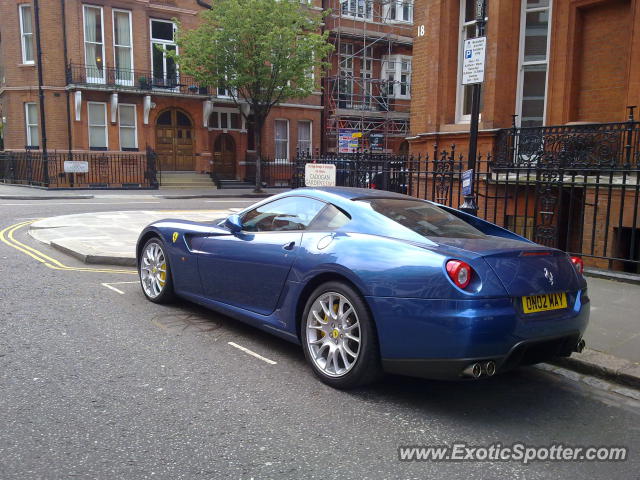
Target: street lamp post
469 205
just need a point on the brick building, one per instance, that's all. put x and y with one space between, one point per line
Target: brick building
367 91
565 170
109 86
551 62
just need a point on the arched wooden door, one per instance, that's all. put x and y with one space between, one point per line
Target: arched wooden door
224 157
174 141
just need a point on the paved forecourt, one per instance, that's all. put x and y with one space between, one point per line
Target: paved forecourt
108 237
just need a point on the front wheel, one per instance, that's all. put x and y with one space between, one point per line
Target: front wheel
339 337
155 272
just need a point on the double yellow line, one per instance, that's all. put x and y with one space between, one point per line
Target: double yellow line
7 237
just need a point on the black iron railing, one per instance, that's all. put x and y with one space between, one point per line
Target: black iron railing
79 170
589 211
136 80
601 145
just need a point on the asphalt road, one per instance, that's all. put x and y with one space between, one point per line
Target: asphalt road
96 382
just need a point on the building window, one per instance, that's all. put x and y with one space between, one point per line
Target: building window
345 81
97 113
282 139
226 119
304 137
31 120
165 72
399 11
533 59
127 122
26 33
93 44
467 30
397 73
123 46
357 8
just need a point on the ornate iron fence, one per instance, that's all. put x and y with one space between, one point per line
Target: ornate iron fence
586 209
80 170
602 145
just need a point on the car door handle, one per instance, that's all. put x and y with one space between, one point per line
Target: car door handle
289 246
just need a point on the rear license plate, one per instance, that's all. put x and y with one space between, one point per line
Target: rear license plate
542 303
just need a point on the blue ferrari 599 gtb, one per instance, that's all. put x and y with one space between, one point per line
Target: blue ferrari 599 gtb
371 281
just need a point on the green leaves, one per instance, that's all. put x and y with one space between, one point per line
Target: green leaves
262 51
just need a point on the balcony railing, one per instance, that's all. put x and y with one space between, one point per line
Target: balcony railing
136 80
599 145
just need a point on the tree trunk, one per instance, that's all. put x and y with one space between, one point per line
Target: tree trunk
258 140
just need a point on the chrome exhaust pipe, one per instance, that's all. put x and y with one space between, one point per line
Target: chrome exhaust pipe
490 368
474 370
580 346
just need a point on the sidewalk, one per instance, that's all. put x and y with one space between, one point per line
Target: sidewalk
613 336
26 192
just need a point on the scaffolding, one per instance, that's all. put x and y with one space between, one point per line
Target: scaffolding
367 90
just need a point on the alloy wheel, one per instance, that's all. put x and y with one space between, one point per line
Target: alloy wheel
333 334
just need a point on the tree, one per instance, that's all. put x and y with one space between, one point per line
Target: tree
262 52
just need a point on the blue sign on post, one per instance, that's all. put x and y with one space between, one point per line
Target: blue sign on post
467 182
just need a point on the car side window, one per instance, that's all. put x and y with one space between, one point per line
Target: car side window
330 218
290 213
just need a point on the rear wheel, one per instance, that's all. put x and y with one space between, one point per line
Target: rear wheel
155 272
339 337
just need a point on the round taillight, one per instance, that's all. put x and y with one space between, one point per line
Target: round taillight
459 272
578 263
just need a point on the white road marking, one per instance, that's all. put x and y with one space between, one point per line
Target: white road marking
112 288
252 353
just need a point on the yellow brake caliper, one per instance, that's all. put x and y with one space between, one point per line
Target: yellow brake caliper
163 273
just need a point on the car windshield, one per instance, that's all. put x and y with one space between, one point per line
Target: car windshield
424 218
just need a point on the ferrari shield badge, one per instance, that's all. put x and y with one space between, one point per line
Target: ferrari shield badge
175 237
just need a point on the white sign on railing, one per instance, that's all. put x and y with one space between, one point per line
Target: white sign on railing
319 175
76 166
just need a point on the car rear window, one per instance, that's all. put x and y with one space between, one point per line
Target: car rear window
424 218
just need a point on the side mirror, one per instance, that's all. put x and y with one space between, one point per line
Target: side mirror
233 223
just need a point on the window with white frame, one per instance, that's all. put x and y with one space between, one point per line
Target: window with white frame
282 139
396 71
357 9
93 43
226 119
26 33
127 123
533 60
399 11
345 82
366 76
123 46
97 114
165 71
31 121
467 30
304 137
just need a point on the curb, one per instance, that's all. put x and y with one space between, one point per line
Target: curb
46 197
240 195
95 259
612 275
602 365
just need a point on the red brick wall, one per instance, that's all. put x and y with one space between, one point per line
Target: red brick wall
21 80
587 81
